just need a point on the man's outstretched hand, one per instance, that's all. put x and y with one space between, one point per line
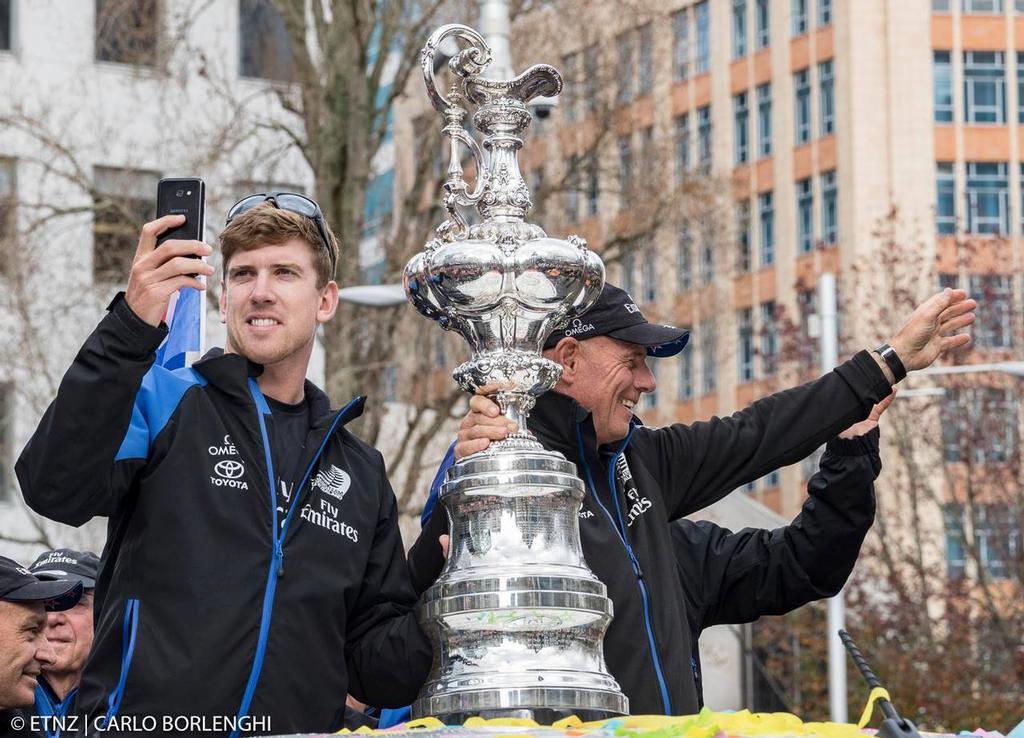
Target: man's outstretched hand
934 328
483 423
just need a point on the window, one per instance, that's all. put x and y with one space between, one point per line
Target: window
802 101
744 260
707 251
997 536
647 160
703 36
626 68
684 259
769 338
807 309
956 557
126 32
651 398
591 90
593 185
739 28
826 98
649 285
804 216
265 50
979 425
993 329
6 35
987 198
741 118
941 6
984 87
681 44
824 13
122 201
943 76
945 207
829 208
982 6
645 64
709 357
380 202
761 28
625 166
8 201
572 190
685 388
799 17
682 147
569 83
628 268
1020 87
704 138
745 345
764 120
772 479
766 215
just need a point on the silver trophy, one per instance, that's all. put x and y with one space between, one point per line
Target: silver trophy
517 618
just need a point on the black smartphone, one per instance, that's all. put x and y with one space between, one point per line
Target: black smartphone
186 196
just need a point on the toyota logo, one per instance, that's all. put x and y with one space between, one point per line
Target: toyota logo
229 469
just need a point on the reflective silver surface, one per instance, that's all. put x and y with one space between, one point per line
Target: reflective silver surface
517 618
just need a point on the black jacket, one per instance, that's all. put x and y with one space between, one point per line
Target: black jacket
731 578
206 603
659 475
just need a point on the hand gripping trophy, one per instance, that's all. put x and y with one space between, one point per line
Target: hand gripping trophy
517 618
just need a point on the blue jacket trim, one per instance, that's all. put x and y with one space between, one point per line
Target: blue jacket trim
435 486
46 706
130 630
155 403
390 718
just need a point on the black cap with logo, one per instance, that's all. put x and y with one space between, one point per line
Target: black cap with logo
616 315
68 565
17 584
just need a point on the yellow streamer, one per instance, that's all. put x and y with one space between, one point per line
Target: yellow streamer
876 694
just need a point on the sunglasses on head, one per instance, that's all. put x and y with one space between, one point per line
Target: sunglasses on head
293 203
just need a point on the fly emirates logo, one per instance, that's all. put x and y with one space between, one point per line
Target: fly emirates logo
227 471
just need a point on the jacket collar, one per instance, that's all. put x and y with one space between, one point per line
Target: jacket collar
554 420
231 372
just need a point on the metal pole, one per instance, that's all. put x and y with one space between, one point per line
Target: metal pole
836 605
496 28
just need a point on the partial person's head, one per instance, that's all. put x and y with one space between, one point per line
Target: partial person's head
70 632
279 260
604 359
24 650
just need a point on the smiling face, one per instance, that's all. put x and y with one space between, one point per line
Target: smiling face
607 377
271 304
70 634
24 652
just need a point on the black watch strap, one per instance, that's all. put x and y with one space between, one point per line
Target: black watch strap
892 360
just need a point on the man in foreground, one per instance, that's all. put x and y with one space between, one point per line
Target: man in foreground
640 479
69 632
24 650
253 547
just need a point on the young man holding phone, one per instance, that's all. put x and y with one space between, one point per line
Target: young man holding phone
253 541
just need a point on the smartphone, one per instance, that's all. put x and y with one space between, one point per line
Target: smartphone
186 196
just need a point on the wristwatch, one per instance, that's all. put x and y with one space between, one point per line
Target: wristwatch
888 354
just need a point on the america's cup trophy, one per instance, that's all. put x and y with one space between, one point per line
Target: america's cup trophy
517 618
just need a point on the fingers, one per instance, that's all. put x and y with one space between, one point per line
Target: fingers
955 324
484 406
884 404
468 448
950 343
181 265
152 229
444 540
958 308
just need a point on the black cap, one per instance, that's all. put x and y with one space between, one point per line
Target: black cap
17 584
68 565
616 315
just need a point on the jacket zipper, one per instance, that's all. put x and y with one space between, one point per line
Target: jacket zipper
276 569
620 529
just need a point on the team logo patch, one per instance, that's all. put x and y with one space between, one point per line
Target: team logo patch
332 481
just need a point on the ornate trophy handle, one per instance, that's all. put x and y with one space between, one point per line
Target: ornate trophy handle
466 64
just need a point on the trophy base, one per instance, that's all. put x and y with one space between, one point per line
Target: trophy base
545 706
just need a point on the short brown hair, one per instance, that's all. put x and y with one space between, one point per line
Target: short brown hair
269 225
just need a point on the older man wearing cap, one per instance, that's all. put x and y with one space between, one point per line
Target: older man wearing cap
69 631
639 479
24 650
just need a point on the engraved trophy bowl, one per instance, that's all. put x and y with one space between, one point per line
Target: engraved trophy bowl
516 618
